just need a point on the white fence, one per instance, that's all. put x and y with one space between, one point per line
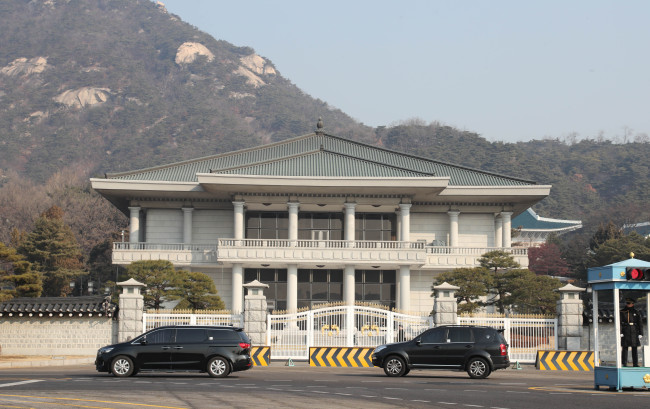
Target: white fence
155 320
525 336
291 335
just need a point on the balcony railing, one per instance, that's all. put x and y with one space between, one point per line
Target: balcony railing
383 253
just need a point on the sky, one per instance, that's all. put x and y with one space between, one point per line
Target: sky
507 70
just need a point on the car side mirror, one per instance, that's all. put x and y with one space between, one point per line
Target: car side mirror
418 341
143 341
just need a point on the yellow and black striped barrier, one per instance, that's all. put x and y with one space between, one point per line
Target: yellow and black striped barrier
261 356
565 361
340 356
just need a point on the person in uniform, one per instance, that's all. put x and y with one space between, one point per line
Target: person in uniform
631 331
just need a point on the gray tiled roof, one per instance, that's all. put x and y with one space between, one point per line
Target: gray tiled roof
296 157
66 305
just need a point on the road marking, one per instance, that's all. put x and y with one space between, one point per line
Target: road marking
423 401
317 386
472 406
388 397
357 387
436 390
87 400
344 394
403 389
369 381
368 396
4 385
448 403
320 392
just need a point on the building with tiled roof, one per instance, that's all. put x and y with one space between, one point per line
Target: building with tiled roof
319 218
534 229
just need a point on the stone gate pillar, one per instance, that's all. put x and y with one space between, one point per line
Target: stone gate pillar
444 304
131 308
569 317
255 312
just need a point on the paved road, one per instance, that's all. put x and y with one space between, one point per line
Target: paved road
304 387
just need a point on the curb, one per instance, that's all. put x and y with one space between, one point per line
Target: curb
41 363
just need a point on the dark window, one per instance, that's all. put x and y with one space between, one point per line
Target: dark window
375 226
377 286
190 336
485 335
434 336
222 335
317 286
320 226
243 336
267 225
460 335
276 294
163 336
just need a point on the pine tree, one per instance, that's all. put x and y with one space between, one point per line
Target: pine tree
16 276
54 252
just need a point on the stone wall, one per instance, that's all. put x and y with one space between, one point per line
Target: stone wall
56 335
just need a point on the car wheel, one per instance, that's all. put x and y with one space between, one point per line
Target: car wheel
218 367
406 372
394 366
478 368
122 366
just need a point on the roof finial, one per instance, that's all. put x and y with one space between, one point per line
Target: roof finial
631 255
319 124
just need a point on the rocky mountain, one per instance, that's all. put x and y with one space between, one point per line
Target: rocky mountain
110 85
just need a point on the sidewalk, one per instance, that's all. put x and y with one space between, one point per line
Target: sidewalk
31 361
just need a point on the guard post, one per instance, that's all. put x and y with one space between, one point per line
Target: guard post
614 278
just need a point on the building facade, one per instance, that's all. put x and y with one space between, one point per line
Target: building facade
319 219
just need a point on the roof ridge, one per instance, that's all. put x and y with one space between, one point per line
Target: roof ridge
316 152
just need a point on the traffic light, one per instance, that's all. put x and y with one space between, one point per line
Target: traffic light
637 273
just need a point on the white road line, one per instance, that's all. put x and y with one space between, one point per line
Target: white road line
403 389
320 392
388 397
4 385
368 396
472 406
423 401
344 394
448 403
436 390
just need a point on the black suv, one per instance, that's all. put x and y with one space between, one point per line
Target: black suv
217 350
477 350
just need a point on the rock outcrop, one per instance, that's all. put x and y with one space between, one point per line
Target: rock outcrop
23 66
257 64
187 53
82 97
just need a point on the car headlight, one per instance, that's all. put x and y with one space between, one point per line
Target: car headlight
379 348
105 350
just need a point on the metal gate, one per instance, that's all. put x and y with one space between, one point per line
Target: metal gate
525 336
291 335
151 320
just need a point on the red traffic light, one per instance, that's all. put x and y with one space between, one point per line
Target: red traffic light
637 274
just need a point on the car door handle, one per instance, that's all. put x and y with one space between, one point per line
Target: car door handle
468 346
178 347
436 347
165 348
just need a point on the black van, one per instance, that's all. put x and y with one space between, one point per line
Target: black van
217 350
475 349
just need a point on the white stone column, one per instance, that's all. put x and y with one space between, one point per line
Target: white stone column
134 227
237 288
239 220
130 312
350 221
348 285
404 288
405 221
187 224
292 287
398 226
444 304
453 227
293 224
498 231
507 228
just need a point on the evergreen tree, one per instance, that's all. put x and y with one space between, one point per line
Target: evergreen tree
474 283
500 263
16 277
54 252
162 280
531 293
605 232
198 292
619 249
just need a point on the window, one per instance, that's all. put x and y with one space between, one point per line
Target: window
434 336
319 286
222 335
163 336
190 336
460 335
276 294
320 226
376 286
267 225
375 226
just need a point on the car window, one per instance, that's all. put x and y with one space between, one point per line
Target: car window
485 335
434 336
163 336
460 334
223 335
190 335
244 337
